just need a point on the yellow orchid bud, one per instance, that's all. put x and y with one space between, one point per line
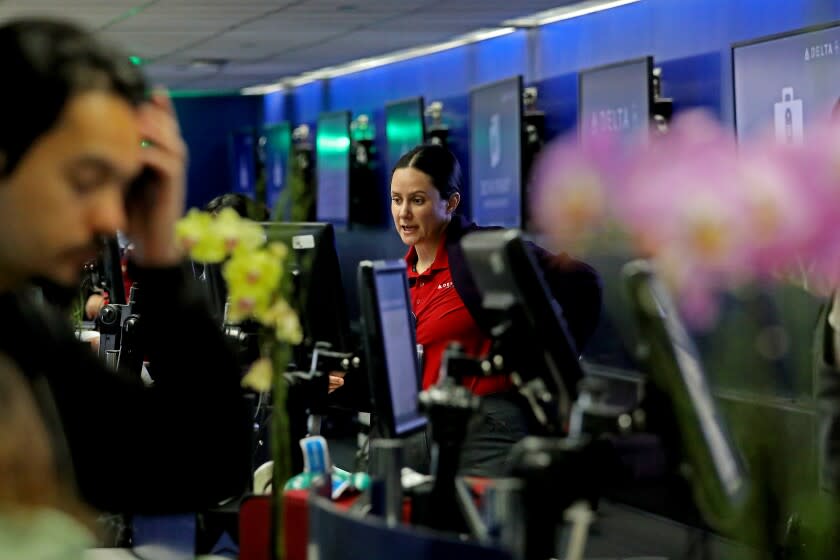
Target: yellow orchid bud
259 376
197 236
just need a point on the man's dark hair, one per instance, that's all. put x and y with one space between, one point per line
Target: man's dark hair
244 205
438 163
44 63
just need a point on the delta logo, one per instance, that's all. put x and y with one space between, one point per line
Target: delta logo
822 50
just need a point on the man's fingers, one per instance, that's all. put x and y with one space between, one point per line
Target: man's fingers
160 130
335 383
160 98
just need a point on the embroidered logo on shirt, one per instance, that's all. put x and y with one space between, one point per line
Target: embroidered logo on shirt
444 285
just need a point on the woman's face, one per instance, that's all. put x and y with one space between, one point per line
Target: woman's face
420 215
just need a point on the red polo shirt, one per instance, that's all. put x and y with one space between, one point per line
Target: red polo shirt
442 318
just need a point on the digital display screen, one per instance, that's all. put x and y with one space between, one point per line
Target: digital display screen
615 99
496 154
243 163
278 147
332 167
783 84
400 354
404 128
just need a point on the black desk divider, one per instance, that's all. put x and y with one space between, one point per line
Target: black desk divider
335 534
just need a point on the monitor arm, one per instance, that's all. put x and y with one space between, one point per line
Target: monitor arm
499 361
449 407
323 361
120 336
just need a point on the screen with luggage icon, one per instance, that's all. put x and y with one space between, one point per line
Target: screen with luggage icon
783 83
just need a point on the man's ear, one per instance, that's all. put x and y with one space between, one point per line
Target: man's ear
452 203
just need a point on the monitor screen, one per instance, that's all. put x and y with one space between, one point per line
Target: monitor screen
496 153
674 365
517 304
404 127
243 162
616 98
332 168
278 148
783 83
318 290
390 346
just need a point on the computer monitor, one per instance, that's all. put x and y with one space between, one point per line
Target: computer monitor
277 149
496 196
673 365
390 347
784 82
616 99
243 158
517 305
332 168
318 292
405 127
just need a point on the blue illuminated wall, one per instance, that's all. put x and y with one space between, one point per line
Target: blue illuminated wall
206 123
275 107
689 39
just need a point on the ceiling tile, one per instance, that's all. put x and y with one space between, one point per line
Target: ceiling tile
264 40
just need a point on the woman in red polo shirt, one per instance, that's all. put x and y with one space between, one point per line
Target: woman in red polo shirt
425 193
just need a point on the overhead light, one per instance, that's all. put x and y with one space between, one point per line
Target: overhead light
540 18
567 12
397 56
135 60
263 89
301 80
484 34
207 63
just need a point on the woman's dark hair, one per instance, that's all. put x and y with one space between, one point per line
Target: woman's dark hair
438 163
244 205
45 62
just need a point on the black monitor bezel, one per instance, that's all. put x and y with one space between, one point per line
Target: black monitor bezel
593 69
374 345
321 117
520 84
766 39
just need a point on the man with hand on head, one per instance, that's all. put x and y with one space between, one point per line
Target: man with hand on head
84 152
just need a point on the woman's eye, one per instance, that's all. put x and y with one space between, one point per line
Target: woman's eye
418 201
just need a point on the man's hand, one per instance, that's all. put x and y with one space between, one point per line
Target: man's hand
153 208
336 380
94 303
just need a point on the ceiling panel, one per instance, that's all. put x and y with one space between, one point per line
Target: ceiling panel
150 45
92 13
260 41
